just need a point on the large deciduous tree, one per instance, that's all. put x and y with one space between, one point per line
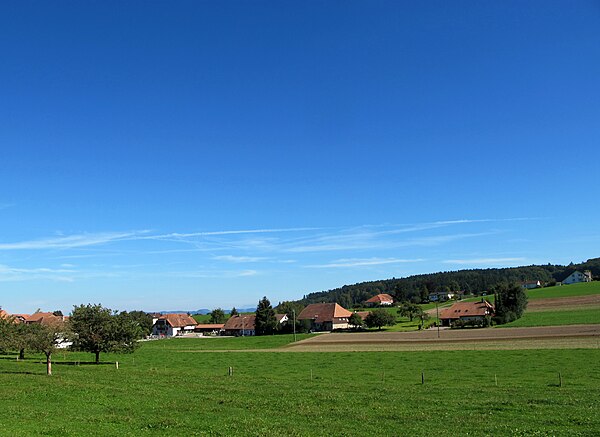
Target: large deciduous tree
217 316
45 337
356 321
510 302
410 310
379 318
292 310
97 329
266 322
141 318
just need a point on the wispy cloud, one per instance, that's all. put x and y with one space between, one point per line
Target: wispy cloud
484 261
8 274
364 241
179 235
353 262
213 273
313 239
240 259
72 241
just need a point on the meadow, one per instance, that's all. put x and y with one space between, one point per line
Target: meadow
556 318
583 289
181 387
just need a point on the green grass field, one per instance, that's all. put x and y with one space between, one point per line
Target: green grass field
555 318
166 388
583 289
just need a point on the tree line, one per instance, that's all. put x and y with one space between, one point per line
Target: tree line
417 288
90 328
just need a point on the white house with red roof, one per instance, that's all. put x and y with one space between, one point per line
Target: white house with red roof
325 316
467 312
172 325
382 299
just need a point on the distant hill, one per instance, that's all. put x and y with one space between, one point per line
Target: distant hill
204 311
416 288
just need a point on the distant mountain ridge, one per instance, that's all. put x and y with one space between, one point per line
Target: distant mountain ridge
417 287
204 311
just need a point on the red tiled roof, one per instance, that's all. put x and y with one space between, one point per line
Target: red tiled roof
43 318
244 321
381 298
468 309
324 312
178 320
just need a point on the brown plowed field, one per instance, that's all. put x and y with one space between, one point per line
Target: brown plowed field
564 303
545 337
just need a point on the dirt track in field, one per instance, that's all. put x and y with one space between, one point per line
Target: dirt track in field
545 337
564 303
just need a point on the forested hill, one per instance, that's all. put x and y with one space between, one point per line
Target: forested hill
417 288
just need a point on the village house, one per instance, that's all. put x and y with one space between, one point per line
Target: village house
47 319
380 300
443 296
42 318
243 325
577 277
467 312
172 325
530 285
325 316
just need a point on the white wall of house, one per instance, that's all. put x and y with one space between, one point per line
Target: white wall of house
338 325
576 277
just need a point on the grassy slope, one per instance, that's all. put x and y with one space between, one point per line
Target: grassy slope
583 289
554 318
161 391
560 317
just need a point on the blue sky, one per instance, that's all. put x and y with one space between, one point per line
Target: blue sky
182 155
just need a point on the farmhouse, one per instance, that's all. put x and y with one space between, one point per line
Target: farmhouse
529 285
577 277
241 325
172 325
467 311
47 319
443 296
325 316
245 324
16 318
41 318
380 299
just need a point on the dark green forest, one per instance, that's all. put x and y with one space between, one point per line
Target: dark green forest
473 281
